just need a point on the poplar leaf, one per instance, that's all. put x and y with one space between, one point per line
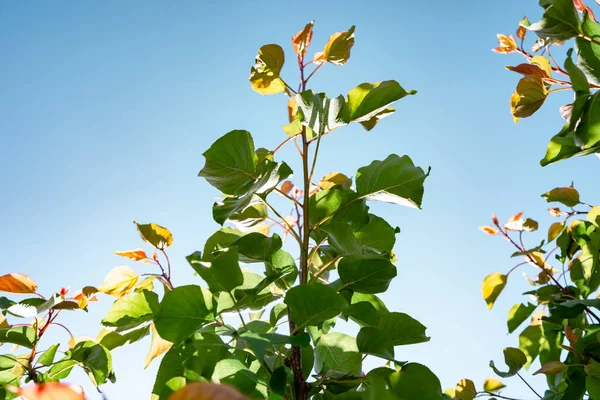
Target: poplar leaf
17 283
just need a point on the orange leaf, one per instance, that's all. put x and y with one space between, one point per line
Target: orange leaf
287 186
302 39
529 69
52 391
516 217
571 336
207 391
17 283
490 230
506 44
3 322
581 7
135 255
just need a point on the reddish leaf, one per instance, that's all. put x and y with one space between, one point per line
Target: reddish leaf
17 283
529 69
552 367
506 44
581 7
135 255
302 39
490 230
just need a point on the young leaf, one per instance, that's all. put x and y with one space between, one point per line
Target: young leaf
155 235
568 196
492 286
302 39
369 102
17 283
310 305
158 346
465 390
492 385
552 367
264 75
182 312
530 95
394 180
490 230
47 357
337 49
119 282
135 255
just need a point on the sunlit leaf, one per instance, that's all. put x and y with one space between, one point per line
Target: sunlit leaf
119 282
559 22
492 286
492 385
130 311
506 44
465 390
264 75
155 235
17 283
519 314
320 113
555 230
528 97
552 367
302 39
490 230
568 196
135 255
337 49
20 335
158 346
337 353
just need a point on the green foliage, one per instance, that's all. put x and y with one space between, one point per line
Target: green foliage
561 22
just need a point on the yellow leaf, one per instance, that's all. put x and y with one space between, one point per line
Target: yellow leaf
17 283
135 255
3 322
490 230
555 230
145 284
552 367
492 286
506 44
337 49
528 97
465 390
119 282
334 179
74 340
155 235
492 385
543 63
264 75
537 259
52 391
157 347
302 39
207 391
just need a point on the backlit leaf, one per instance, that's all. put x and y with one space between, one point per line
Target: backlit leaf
568 196
302 39
320 113
555 230
465 390
528 97
519 314
264 75
130 311
17 283
135 255
52 391
375 342
337 49
514 358
155 235
158 346
20 335
492 385
588 52
334 179
119 282
490 230
492 286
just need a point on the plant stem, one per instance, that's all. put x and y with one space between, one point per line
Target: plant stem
529 386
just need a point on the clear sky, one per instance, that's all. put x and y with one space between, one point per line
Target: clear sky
106 108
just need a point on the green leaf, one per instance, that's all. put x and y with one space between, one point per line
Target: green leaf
221 239
366 309
373 239
492 286
375 342
182 312
132 310
588 52
337 49
264 75
568 196
588 130
155 235
369 102
171 366
254 293
514 358
320 113
366 275
95 358
403 329
278 380
61 369
393 180
47 357
530 342
518 314
585 270
415 381
268 179
592 385
559 22
234 373
337 354
313 304
222 274
256 247
231 163
260 342
111 340
277 312
21 335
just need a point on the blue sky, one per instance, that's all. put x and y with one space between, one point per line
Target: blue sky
106 108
